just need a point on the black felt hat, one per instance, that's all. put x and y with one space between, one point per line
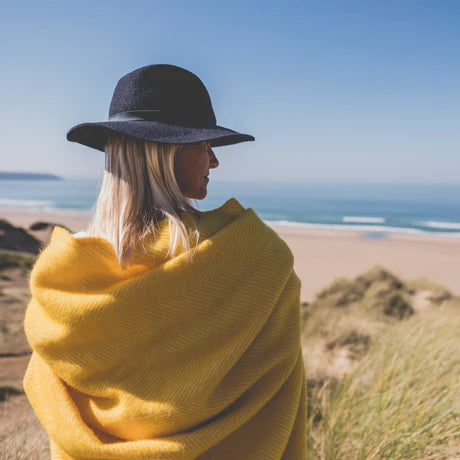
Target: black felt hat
159 103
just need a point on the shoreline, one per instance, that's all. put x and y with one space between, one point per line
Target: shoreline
26 216
320 255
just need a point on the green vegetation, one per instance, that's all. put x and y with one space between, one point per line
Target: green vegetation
397 395
16 259
6 390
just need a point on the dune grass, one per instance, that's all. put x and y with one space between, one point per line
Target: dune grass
16 259
383 375
22 437
402 399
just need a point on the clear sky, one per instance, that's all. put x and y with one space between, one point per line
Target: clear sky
333 91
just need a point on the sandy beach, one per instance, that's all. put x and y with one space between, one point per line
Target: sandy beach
322 255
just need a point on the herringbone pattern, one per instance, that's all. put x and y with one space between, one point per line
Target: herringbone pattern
169 360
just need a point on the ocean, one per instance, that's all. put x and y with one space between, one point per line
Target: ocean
374 209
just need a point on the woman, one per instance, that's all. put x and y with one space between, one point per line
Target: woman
164 332
171 174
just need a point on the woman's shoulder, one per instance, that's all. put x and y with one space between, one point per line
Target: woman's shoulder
231 206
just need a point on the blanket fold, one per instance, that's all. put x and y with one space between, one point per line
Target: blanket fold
170 358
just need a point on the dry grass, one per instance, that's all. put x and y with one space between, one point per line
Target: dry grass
401 401
22 437
382 362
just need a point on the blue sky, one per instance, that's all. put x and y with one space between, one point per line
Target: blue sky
333 91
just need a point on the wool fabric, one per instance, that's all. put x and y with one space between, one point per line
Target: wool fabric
170 358
159 103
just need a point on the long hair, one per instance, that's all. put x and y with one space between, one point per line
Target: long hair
138 190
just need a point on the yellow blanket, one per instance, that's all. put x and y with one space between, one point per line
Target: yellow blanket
170 359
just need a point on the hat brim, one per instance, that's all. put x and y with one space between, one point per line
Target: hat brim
94 135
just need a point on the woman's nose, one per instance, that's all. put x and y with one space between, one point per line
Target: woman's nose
213 161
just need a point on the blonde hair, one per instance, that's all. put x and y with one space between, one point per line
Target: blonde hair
138 190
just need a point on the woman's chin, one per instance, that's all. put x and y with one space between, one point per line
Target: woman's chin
202 196
203 191
198 195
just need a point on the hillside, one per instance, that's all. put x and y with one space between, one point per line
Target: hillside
27 176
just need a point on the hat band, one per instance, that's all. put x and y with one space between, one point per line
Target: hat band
147 115
156 115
